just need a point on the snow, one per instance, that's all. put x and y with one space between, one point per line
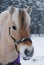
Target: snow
38 57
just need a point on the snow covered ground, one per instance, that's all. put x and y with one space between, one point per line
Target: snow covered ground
38 57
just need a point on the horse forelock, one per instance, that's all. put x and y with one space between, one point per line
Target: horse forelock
23 23
22 18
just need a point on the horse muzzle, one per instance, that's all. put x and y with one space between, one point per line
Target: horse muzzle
25 51
28 54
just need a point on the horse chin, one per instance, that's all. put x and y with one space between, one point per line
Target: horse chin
25 58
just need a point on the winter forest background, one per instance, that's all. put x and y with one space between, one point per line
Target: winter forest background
37 15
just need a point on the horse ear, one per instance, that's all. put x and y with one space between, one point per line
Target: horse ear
11 9
29 9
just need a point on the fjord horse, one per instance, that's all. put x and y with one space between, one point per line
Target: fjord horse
15 34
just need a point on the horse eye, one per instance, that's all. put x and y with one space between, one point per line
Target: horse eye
14 27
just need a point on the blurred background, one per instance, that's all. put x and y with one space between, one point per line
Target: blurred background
37 15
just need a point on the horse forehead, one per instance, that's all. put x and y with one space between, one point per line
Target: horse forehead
20 18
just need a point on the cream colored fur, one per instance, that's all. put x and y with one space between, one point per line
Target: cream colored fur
7 49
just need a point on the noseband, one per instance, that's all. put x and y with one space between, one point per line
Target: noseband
23 40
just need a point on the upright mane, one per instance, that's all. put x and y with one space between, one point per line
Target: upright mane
22 18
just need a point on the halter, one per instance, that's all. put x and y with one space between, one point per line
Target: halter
19 41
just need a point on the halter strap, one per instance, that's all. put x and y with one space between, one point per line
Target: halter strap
19 41
23 40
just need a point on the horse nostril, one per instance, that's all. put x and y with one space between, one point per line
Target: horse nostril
27 52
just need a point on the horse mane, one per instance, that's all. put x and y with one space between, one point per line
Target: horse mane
22 18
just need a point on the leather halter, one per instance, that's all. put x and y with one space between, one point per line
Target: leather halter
19 41
23 40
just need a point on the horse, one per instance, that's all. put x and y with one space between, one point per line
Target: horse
15 34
